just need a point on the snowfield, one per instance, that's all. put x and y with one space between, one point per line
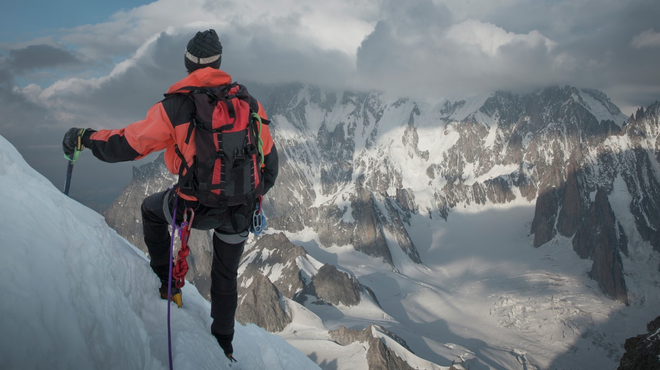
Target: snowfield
75 295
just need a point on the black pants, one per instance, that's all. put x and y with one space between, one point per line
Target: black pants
230 227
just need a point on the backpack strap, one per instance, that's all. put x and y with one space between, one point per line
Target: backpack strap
256 122
185 172
188 90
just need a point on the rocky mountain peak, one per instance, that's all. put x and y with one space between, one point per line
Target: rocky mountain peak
379 355
336 287
274 269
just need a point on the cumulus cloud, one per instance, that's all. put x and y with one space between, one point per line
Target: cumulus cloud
490 38
338 25
646 39
422 49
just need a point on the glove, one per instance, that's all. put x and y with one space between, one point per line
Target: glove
72 141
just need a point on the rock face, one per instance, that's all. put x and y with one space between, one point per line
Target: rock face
275 269
643 351
601 239
319 158
261 303
335 287
580 206
379 355
276 258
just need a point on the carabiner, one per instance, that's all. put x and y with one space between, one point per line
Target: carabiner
259 223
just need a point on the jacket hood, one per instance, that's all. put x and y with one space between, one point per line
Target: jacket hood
203 77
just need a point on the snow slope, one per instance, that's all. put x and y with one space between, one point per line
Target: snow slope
75 295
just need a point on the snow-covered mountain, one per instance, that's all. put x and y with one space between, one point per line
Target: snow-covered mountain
364 164
75 295
507 230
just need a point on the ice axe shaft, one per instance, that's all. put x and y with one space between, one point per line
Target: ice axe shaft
72 160
67 182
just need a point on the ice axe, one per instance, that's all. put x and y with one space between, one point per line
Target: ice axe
72 161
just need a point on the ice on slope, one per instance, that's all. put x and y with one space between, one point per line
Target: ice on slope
599 109
75 295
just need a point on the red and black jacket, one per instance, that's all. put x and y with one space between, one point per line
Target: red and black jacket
166 124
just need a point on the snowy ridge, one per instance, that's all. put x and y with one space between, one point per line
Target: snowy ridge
78 296
602 107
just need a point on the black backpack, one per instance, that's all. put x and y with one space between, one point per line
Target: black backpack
226 169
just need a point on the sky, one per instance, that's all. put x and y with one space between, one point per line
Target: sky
65 306
103 65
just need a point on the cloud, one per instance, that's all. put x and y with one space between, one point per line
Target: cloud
39 56
423 47
426 52
490 38
107 75
125 93
263 41
646 39
339 25
415 47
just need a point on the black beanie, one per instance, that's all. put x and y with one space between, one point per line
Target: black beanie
203 50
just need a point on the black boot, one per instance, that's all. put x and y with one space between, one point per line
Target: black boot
224 340
163 273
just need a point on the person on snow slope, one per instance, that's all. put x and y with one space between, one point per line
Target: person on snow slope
168 126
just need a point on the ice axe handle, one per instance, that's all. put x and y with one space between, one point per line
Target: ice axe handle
67 182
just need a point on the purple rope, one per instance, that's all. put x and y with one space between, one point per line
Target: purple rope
169 286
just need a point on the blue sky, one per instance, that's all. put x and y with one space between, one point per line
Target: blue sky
30 19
